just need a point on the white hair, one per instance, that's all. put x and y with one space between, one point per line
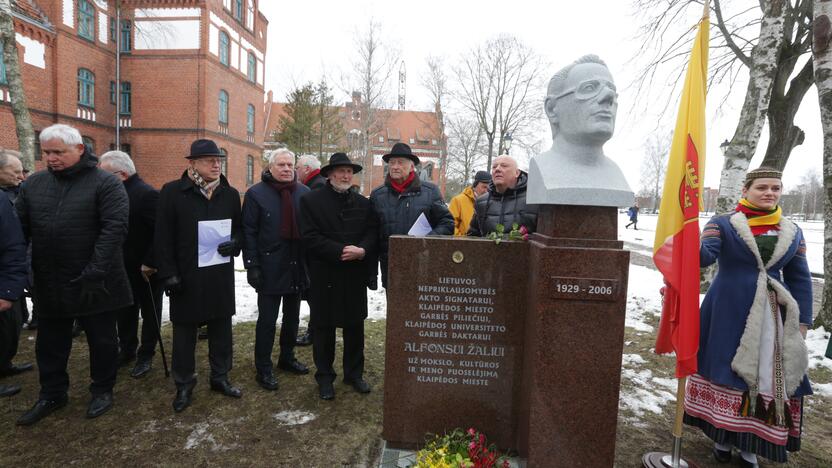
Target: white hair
279 152
310 160
65 133
119 160
6 155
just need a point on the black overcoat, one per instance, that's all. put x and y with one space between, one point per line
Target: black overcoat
76 221
138 248
329 221
281 261
207 293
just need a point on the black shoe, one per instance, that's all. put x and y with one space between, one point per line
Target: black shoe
99 405
747 464
183 398
304 339
40 410
360 385
267 381
15 369
722 456
293 367
141 368
226 389
7 390
326 391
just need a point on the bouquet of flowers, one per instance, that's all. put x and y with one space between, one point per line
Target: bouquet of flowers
458 449
518 232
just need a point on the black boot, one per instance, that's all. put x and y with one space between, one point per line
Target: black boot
7 390
99 405
141 368
225 387
267 381
40 410
184 396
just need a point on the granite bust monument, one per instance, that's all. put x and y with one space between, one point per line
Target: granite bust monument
581 104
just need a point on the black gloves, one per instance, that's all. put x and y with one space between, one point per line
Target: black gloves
91 290
254 278
172 285
229 248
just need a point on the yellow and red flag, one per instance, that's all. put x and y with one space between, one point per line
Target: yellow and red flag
676 247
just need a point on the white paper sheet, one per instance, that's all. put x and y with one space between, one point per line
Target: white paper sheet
421 227
211 234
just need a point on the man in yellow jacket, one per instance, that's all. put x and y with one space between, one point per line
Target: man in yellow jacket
462 205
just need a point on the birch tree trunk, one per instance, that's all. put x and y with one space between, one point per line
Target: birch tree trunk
20 110
822 32
763 70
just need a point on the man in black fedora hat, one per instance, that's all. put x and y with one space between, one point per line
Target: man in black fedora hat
339 231
402 198
199 281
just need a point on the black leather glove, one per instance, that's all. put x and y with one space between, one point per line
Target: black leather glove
254 278
172 285
229 248
91 290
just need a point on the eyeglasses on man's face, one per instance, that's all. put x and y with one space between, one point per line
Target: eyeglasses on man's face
588 89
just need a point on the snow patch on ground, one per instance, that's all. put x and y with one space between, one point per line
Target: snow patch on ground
822 389
293 418
199 436
816 341
643 298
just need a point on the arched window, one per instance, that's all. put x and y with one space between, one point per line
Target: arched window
86 19
249 170
86 88
250 119
224 48
223 101
252 66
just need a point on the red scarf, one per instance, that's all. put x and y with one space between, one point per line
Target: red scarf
401 187
752 213
288 225
311 176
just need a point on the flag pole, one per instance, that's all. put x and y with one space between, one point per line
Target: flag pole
676 459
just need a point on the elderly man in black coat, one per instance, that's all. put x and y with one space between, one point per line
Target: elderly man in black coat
139 262
75 216
505 201
273 255
13 278
200 283
339 231
308 168
402 198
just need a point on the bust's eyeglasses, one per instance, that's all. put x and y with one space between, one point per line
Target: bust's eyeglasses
588 89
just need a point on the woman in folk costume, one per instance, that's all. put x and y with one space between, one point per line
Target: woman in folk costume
749 388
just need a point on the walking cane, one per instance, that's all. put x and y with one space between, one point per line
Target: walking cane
158 329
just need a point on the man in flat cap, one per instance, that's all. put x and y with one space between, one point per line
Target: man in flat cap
198 234
339 232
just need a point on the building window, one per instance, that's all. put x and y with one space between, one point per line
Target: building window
249 170
126 99
223 107
113 92
250 119
38 154
125 147
89 143
2 66
381 139
86 19
126 36
113 30
252 66
238 9
224 162
86 88
224 48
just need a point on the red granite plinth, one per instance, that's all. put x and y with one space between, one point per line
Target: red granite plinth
454 344
577 222
573 347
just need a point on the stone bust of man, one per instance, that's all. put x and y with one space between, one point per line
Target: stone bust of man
581 103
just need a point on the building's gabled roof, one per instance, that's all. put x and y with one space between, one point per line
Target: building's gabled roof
28 10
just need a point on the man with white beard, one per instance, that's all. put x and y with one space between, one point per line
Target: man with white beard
339 232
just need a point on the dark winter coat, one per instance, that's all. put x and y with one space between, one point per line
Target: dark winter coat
506 208
281 261
76 221
11 192
317 182
329 221
138 248
13 270
207 293
398 211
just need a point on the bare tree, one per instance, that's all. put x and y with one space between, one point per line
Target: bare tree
822 33
654 165
20 109
372 67
465 149
811 191
435 83
500 83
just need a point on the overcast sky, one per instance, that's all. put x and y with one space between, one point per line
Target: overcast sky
314 38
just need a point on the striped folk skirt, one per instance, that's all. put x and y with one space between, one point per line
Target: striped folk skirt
716 410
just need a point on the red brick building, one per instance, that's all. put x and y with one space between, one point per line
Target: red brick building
189 69
420 130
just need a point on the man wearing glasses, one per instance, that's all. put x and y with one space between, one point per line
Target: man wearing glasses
196 213
581 103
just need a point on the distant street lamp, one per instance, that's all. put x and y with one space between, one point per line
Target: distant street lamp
507 142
